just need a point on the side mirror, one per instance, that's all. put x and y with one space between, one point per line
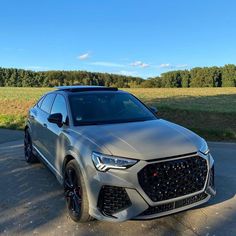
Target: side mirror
56 118
153 110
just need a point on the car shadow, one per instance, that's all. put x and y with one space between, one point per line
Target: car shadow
30 196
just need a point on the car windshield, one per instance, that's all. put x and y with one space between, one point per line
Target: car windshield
94 108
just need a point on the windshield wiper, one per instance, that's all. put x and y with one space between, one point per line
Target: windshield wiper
90 123
112 122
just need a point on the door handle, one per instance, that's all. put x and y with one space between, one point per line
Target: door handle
45 125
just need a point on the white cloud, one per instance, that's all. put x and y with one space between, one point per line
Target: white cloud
106 64
144 65
128 73
170 66
83 56
181 66
165 65
139 64
37 68
136 63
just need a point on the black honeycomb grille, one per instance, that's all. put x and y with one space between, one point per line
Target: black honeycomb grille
113 199
174 178
174 205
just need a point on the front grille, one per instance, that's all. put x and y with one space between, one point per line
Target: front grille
174 205
113 199
173 178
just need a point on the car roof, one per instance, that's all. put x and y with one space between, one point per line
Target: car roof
84 88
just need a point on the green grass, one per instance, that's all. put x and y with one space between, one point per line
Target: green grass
12 121
211 112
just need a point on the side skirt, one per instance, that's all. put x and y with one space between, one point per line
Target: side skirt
41 157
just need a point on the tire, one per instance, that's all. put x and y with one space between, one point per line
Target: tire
28 149
75 193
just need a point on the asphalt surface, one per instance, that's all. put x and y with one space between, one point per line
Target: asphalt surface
10 135
32 203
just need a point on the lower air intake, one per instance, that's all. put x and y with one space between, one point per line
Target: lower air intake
174 205
113 199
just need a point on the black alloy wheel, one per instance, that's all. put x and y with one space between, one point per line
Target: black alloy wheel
28 148
75 193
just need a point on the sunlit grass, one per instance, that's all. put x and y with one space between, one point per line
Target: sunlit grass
200 99
208 111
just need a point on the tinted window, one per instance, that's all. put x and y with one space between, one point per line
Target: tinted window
107 107
47 103
59 106
40 102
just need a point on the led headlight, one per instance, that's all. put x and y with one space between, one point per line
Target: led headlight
204 147
105 162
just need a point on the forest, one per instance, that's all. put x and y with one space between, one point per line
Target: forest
196 77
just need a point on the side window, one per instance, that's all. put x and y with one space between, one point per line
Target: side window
47 102
40 102
59 106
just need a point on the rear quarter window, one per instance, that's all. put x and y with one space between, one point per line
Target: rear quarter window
39 103
47 103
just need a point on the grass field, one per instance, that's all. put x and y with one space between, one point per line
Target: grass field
210 112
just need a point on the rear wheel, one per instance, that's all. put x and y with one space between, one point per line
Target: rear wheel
75 193
28 148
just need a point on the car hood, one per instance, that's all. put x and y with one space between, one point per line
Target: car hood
143 140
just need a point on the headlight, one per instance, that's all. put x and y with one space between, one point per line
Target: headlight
105 162
204 147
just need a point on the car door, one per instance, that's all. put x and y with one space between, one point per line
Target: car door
41 124
55 136
33 120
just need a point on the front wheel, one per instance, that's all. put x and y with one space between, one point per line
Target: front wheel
75 193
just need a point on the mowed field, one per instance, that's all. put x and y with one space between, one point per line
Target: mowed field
211 112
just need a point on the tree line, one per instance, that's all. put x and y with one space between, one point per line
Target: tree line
27 78
197 77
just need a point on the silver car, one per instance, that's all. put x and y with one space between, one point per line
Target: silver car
116 159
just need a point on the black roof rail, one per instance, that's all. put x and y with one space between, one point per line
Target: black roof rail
81 88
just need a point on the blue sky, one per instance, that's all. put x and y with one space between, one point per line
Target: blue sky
132 37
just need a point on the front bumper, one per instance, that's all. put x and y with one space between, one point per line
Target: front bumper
131 202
